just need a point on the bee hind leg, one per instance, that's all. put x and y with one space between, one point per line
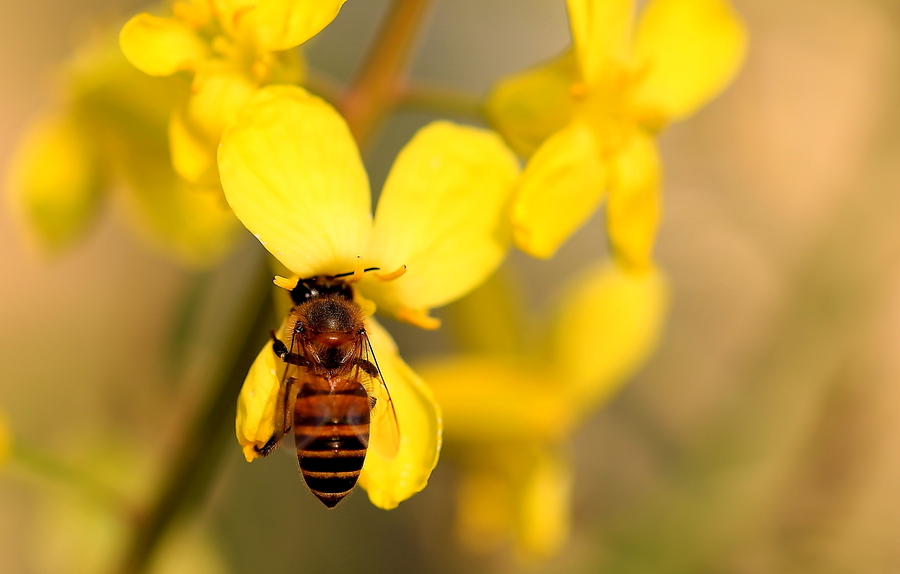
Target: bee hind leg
270 445
368 367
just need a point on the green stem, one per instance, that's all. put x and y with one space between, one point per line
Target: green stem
380 84
194 461
443 101
47 466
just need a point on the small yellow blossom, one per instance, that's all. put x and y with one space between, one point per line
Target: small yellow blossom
109 131
232 47
508 416
293 176
587 120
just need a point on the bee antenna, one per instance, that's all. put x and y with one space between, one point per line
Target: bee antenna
375 358
352 272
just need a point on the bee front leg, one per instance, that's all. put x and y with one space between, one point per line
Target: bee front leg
281 351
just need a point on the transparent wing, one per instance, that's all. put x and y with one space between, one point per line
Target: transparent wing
287 393
385 431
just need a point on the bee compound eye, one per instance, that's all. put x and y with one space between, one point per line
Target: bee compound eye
304 290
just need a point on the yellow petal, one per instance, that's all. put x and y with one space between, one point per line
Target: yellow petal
283 24
634 208
545 502
560 189
161 46
219 93
232 14
609 323
489 320
117 96
390 481
530 106
504 398
691 50
186 547
520 495
443 214
485 507
56 180
196 128
193 223
293 176
601 32
193 151
257 404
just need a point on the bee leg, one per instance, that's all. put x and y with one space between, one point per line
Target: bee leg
281 351
270 445
287 405
368 367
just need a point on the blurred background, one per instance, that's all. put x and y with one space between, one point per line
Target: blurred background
763 436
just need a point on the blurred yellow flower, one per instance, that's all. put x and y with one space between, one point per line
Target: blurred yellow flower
232 47
507 416
293 176
587 119
109 131
5 440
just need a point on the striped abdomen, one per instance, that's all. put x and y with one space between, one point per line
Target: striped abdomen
331 431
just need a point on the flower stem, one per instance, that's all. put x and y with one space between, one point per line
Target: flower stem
380 84
443 101
44 464
195 459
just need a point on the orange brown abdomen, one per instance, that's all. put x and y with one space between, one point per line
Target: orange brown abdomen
331 431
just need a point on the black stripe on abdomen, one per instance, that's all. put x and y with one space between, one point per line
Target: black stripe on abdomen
331 431
331 474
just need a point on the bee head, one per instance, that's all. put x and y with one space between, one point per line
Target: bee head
318 286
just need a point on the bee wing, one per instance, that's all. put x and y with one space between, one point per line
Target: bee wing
385 429
291 382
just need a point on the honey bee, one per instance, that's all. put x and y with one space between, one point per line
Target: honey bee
332 392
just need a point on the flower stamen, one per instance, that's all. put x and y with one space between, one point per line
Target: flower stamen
357 271
286 283
418 318
397 273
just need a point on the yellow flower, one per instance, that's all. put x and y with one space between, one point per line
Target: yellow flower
587 119
110 131
293 176
232 47
507 416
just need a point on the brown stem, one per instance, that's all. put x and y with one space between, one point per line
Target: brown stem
443 101
380 84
